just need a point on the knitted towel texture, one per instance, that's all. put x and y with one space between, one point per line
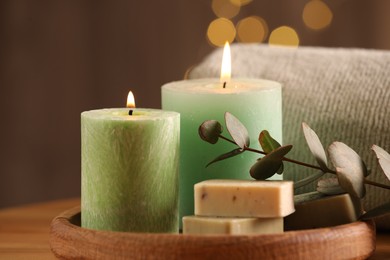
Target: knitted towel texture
342 94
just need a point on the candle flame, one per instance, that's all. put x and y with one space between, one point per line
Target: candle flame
130 100
226 67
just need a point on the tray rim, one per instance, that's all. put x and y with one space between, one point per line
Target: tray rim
70 240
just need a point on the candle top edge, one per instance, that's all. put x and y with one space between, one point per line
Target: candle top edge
123 114
214 85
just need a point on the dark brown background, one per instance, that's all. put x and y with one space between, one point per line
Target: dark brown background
59 58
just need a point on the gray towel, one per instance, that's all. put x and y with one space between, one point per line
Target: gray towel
343 94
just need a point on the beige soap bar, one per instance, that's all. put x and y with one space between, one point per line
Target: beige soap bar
231 226
244 198
322 211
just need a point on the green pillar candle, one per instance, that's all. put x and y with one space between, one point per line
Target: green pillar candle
256 103
130 170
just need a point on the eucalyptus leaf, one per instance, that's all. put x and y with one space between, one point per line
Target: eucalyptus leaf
268 143
269 164
377 212
237 130
350 168
224 156
281 169
330 186
383 159
315 147
368 172
307 180
210 130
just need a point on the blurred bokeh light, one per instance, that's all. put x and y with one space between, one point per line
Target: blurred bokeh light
252 29
221 30
284 36
225 8
317 15
240 2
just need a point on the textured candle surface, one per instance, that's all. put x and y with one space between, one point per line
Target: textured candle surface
322 211
256 103
130 170
244 198
231 226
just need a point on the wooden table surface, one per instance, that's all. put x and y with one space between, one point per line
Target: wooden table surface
24 231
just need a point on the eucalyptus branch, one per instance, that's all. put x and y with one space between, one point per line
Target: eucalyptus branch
372 183
284 158
305 164
352 179
351 171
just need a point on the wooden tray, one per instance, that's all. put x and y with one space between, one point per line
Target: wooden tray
351 241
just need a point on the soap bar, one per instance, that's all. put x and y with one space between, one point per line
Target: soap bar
322 211
244 198
231 226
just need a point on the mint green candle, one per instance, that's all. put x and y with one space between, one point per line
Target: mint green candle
130 170
256 103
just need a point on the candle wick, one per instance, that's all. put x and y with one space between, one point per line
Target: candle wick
130 112
224 84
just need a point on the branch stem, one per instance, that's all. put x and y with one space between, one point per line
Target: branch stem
376 184
227 139
284 158
288 160
380 185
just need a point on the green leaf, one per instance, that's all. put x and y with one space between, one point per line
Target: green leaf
224 156
269 144
330 186
383 159
237 130
350 169
377 212
307 180
281 169
210 130
269 164
315 147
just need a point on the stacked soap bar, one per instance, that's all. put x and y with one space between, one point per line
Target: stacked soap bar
315 210
240 207
226 225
